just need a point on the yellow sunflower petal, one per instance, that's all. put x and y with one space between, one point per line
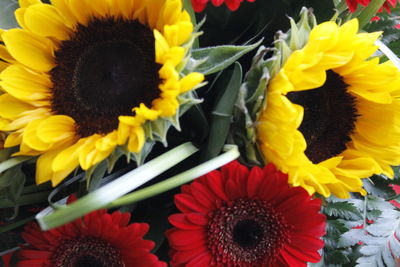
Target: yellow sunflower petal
56 128
11 107
13 139
31 50
46 21
190 81
136 139
25 85
68 159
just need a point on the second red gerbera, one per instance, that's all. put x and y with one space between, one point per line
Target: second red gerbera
244 218
352 4
99 239
199 5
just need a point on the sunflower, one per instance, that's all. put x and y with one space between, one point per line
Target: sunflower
99 239
83 77
246 218
332 112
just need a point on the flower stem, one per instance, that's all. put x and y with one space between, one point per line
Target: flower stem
103 196
177 180
389 53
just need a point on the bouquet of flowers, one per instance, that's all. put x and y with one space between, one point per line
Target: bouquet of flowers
199 133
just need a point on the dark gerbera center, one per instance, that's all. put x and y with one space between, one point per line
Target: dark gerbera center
329 117
246 233
103 71
86 252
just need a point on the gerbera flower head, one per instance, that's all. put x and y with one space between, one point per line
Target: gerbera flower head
241 217
353 4
83 77
98 239
332 111
233 5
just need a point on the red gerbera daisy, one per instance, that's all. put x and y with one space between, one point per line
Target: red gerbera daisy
199 5
237 217
352 4
98 239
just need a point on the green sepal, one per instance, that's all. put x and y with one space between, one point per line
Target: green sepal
210 60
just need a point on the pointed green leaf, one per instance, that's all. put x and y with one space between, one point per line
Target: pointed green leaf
217 58
222 112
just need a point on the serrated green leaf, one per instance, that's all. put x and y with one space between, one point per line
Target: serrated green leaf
344 210
380 244
336 257
351 238
217 58
334 229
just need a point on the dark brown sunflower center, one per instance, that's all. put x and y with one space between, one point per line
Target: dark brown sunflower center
246 233
103 71
86 252
329 117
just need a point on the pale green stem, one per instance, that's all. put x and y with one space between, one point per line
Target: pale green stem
389 53
103 196
177 180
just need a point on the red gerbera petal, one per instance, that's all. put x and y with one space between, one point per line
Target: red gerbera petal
258 221
352 4
98 239
199 5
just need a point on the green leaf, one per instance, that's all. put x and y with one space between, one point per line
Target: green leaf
336 257
351 238
12 183
222 112
334 229
157 217
213 59
7 19
343 209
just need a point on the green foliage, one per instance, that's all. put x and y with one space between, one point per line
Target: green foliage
375 240
229 85
379 185
214 59
386 24
342 209
7 19
12 183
